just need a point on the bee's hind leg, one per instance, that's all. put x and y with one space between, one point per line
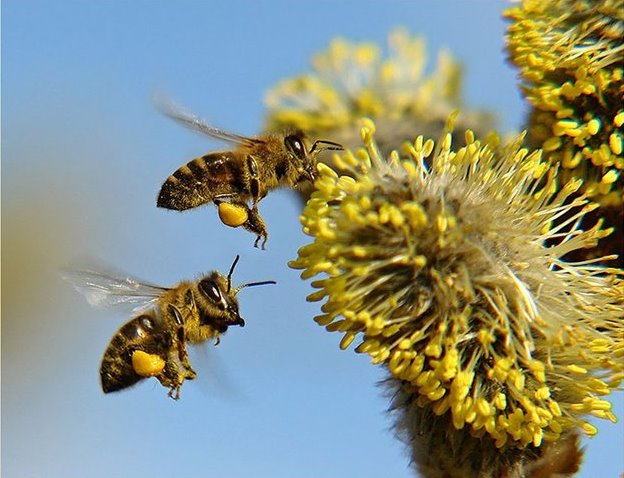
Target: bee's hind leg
172 379
239 214
256 224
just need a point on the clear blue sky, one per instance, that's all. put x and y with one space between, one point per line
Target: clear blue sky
83 156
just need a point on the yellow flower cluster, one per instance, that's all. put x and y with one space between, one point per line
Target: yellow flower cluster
350 81
436 265
570 57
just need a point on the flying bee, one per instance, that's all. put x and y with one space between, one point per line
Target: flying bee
231 179
154 342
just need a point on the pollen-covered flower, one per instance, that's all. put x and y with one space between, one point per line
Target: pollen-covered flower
436 266
350 81
570 55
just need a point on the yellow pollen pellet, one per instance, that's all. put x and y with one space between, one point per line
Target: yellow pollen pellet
232 215
618 120
147 365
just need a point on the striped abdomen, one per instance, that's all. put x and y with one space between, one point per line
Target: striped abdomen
202 179
141 333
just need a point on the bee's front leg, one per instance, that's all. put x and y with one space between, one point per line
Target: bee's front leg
254 182
180 339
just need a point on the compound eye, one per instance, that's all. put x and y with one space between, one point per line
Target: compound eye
294 143
209 288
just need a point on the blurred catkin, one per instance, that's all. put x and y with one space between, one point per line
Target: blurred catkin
570 55
350 81
436 265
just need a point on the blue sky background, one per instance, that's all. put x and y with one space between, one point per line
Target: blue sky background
83 155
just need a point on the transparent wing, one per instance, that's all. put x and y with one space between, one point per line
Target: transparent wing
189 120
103 290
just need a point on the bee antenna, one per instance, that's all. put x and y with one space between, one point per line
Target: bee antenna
252 284
330 146
229 276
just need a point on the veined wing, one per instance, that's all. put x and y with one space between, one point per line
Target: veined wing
103 290
189 120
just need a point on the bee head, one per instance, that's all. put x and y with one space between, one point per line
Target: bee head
304 162
296 144
220 294
221 305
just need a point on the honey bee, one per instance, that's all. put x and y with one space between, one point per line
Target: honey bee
231 179
154 342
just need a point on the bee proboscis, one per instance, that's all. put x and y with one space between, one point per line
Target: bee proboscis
247 173
154 342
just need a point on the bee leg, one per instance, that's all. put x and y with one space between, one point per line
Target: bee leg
190 374
254 183
171 379
181 343
256 224
239 214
